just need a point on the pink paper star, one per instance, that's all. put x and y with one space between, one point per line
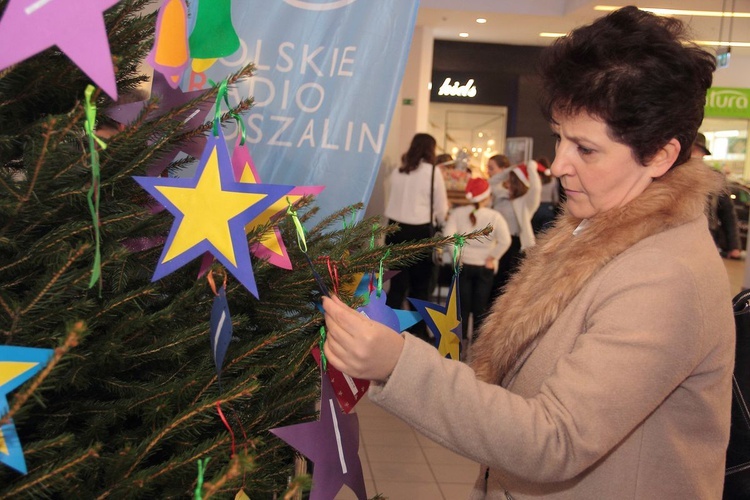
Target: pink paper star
75 26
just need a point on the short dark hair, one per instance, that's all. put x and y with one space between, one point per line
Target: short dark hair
422 148
501 161
635 71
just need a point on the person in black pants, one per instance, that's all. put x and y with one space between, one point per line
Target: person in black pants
417 199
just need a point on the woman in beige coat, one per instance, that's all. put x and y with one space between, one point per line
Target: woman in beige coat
604 370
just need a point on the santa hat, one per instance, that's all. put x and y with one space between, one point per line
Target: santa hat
477 189
522 172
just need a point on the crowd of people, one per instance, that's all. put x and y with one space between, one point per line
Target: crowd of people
520 202
603 369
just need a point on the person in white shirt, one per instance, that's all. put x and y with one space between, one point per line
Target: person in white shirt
516 192
478 257
417 200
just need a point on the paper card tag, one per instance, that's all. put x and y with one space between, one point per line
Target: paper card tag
221 329
348 390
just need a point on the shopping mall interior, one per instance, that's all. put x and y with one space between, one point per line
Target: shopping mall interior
482 53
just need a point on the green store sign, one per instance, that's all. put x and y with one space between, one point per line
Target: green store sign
725 102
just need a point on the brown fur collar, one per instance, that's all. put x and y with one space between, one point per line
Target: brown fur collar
547 279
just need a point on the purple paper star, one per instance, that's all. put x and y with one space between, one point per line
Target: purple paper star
211 210
75 26
331 444
169 98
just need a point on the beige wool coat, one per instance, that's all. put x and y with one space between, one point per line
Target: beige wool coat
604 371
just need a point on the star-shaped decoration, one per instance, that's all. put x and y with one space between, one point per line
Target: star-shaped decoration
444 321
211 210
169 98
332 444
271 245
76 27
17 365
360 287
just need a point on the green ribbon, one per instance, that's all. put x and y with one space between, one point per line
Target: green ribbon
353 220
380 272
321 343
458 247
290 211
93 193
223 93
198 494
302 244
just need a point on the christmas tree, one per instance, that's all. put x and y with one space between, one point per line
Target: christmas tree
130 402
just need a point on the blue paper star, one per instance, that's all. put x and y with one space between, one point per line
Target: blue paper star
406 319
332 443
75 26
17 365
211 210
444 321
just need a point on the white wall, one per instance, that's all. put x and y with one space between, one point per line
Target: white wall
737 74
408 119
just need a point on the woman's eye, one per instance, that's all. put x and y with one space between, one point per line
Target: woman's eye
584 151
556 137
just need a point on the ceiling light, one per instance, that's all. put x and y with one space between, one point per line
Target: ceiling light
481 20
679 12
709 43
463 35
716 43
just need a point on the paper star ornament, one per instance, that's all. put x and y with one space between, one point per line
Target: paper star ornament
211 210
271 245
76 27
331 443
444 321
17 365
360 287
169 98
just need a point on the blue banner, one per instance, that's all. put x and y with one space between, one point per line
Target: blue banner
328 73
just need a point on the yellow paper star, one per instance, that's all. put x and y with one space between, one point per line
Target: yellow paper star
443 321
199 219
211 210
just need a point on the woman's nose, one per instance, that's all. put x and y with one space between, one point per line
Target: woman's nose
560 164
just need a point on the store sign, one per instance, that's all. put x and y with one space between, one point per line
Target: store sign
455 89
724 102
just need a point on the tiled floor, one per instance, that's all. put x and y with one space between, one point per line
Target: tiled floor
401 464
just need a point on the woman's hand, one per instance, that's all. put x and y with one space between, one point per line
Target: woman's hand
357 345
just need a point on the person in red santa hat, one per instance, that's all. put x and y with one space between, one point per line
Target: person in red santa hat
516 194
479 257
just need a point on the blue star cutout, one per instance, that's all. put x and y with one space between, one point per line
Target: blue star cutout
211 211
17 365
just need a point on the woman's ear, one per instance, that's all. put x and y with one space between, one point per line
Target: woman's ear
664 158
